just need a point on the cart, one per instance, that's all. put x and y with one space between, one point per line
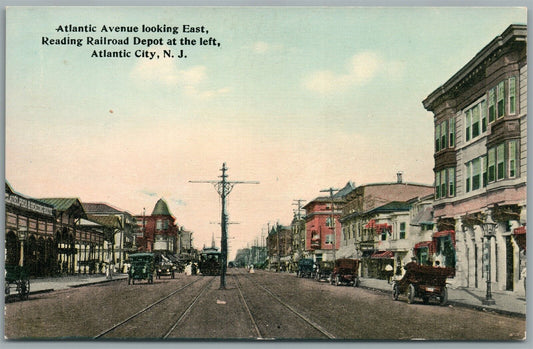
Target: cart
423 281
142 268
17 279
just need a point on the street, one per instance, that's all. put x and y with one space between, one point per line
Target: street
260 305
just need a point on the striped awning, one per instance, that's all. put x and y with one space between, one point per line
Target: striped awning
383 255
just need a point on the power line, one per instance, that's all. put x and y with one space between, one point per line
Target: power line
224 187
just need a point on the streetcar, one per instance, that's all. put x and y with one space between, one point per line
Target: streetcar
210 260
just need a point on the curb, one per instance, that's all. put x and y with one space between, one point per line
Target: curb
461 304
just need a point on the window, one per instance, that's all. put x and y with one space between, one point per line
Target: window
384 235
475 121
500 165
512 95
437 185
452 132
437 138
165 224
468 124
483 108
468 173
512 159
501 99
443 134
492 102
485 179
476 173
402 230
329 239
443 183
492 165
159 224
451 182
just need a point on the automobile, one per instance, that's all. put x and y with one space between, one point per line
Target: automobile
166 269
142 267
324 270
423 281
305 268
345 272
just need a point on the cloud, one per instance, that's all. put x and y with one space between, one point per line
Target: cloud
149 193
261 47
193 80
179 202
362 68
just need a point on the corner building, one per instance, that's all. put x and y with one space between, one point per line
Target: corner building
480 119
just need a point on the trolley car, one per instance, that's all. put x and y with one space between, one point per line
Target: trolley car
210 260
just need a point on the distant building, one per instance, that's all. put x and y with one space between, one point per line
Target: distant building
160 231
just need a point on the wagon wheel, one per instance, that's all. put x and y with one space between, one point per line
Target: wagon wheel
24 289
395 291
443 296
411 294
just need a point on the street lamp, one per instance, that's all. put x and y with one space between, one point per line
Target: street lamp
22 235
489 228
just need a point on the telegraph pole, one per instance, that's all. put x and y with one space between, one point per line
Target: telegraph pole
332 218
223 188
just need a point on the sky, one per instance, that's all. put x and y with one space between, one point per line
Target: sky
298 99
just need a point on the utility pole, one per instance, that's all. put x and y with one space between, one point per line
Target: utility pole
223 188
298 235
332 218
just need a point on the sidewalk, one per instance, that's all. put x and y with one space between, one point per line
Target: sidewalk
42 285
506 302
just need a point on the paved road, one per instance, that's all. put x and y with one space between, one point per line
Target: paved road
262 305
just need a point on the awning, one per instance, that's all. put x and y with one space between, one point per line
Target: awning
425 244
519 230
383 255
444 233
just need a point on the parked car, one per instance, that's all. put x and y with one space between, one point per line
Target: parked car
423 281
142 267
324 270
345 272
305 268
166 269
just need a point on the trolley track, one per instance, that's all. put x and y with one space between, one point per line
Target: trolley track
149 307
285 305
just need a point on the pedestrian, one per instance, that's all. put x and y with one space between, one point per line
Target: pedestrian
388 272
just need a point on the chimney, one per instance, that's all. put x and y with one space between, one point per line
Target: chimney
399 177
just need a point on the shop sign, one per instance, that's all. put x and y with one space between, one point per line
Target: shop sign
30 205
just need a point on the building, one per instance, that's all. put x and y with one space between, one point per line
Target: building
160 231
480 119
375 224
30 233
124 228
279 247
322 228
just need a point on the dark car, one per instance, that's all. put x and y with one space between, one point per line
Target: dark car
345 272
142 267
305 268
324 270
